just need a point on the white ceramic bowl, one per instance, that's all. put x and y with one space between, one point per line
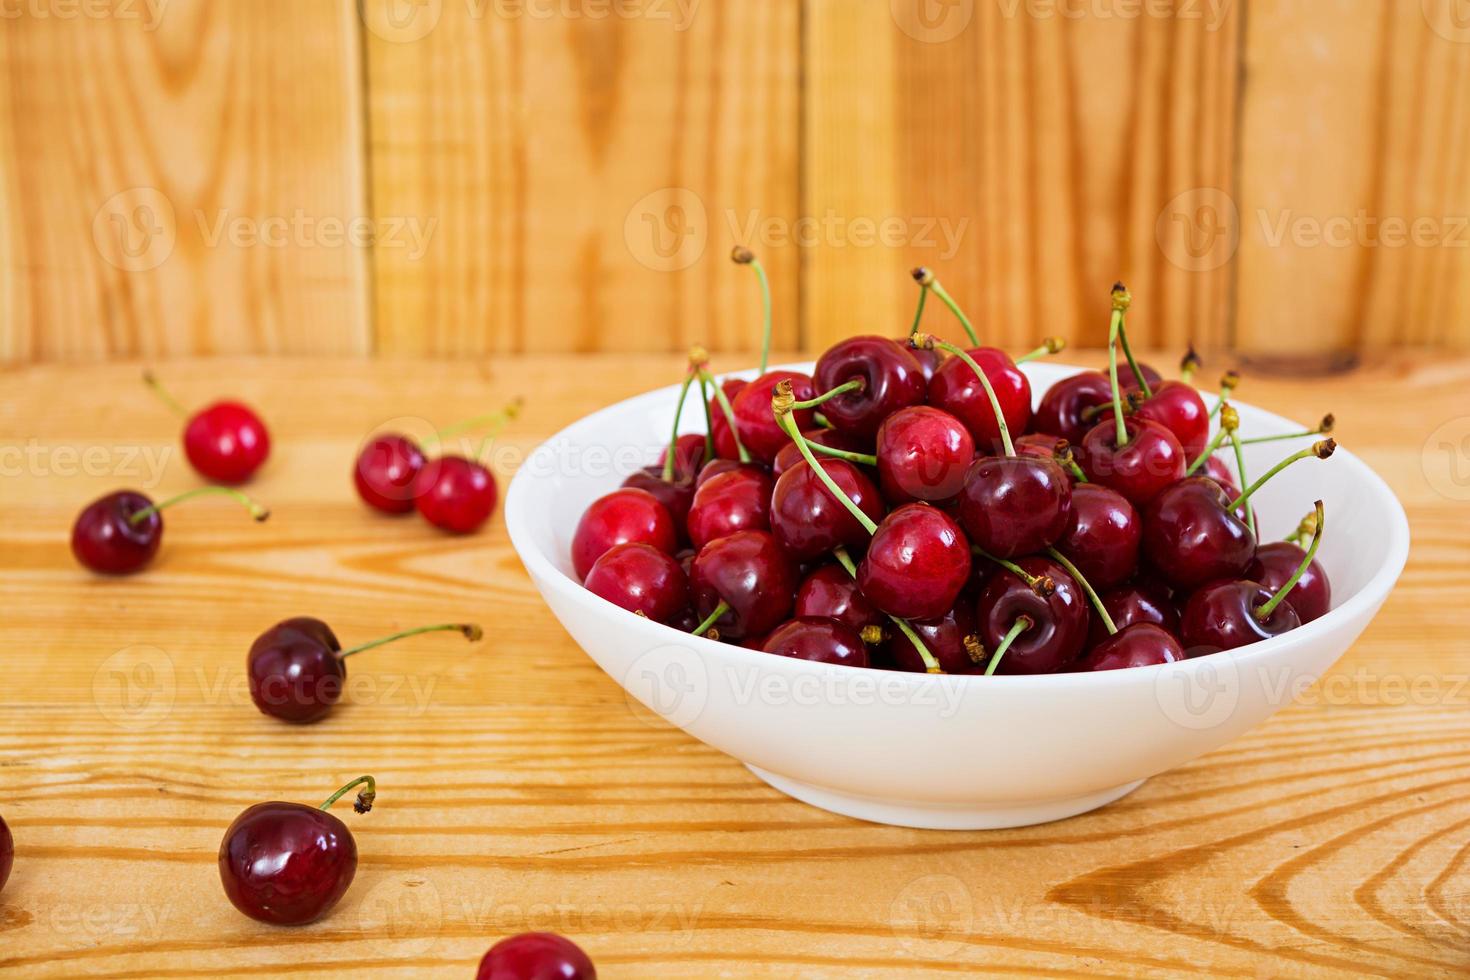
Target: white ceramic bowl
942 751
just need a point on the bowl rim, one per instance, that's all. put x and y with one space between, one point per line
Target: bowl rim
1372 593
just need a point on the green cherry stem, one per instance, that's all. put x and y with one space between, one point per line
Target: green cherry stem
498 419
931 664
1250 510
1328 423
668 473
365 797
703 628
856 384
867 459
1128 353
471 632
919 310
1308 526
1062 453
1228 383
1264 612
928 341
699 359
1229 422
1051 345
781 402
741 255
1021 625
152 381
1076 573
1121 300
1189 364
257 510
709 422
1320 450
926 277
1042 585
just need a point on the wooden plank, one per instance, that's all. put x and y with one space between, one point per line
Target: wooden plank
1035 152
589 169
1355 177
520 791
178 178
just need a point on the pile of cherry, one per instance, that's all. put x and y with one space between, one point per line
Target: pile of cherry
904 507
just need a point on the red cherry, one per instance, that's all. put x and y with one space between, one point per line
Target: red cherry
1140 645
1224 616
790 453
817 639
1217 470
387 471
928 358
1178 407
1073 405
923 454
677 495
119 533
1057 621
7 853
957 390
831 593
1191 537
739 500
891 379
536 956
688 455
1128 380
642 580
1273 566
719 424
917 562
1143 601
809 521
720 465
747 579
456 494
226 442
621 516
950 638
762 437
1102 539
287 864
1015 505
1150 460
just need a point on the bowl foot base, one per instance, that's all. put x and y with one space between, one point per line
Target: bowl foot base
941 816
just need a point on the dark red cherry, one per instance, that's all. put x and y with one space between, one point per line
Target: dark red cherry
1015 505
809 521
1140 645
642 580
1273 566
891 379
1039 445
923 454
950 638
719 424
1059 620
106 539
7 853
1178 407
1127 380
917 563
1150 460
536 956
790 453
1191 537
956 390
720 465
831 593
287 864
688 455
677 495
456 494
621 516
822 640
1219 471
1144 600
749 574
739 500
226 442
387 471
1224 615
1073 405
928 358
1103 536
762 437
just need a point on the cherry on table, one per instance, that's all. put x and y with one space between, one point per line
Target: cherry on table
226 441
737 500
619 517
831 593
7 853
822 640
1139 645
536 956
923 454
642 580
386 472
1104 534
119 533
456 493
809 521
297 668
743 584
887 378
288 864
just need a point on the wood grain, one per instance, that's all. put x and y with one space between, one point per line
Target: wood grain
520 790
178 177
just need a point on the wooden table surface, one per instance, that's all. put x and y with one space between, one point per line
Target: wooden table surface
519 790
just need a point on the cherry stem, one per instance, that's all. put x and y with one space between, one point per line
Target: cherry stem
1051 345
724 401
931 664
927 340
925 277
1121 299
1189 364
1042 585
709 422
1228 385
471 631
709 620
1307 526
1229 422
855 384
1266 609
1076 573
1328 423
1021 625
365 798
744 256
497 419
1148 392
158 389
781 402
919 311
668 473
257 510
1320 450
867 459
1250 510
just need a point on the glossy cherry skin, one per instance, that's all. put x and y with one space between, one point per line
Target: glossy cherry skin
1127 380
831 593
945 637
642 580
1274 565
105 539
387 472
739 500
822 640
456 494
621 516
1191 538
226 442
1140 645
917 563
892 379
1219 471
790 453
688 455
955 389
749 571
1062 408
536 956
677 495
1145 600
1059 621
809 521
286 864
1178 407
1222 615
923 454
1150 460
720 465
295 670
762 437
1103 537
928 359
719 424
7 853
1015 505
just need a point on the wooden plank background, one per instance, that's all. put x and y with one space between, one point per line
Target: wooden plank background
1278 176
